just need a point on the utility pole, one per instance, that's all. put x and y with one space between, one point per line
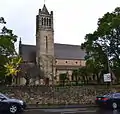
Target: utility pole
109 70
108 64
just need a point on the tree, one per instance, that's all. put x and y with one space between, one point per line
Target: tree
29 71
63 78
84 73
94 69
81 74
75 75
8 55
103 45
12 66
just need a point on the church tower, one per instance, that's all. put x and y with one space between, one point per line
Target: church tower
45 42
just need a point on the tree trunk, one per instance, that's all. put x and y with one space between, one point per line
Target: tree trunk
98 80
63 82
84 80
27 80
76 80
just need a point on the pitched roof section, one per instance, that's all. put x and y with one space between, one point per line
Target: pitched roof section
65 51
28 52
44 10
62 51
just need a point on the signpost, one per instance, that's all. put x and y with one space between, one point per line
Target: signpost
107 77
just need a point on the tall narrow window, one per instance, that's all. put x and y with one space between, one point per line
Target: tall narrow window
46 44
44 21
49 22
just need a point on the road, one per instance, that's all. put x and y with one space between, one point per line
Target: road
71 111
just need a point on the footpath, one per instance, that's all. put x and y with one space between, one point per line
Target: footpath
38 106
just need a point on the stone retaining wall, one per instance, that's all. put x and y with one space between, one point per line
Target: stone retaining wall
57 95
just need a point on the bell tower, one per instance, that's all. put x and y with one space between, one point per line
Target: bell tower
45 42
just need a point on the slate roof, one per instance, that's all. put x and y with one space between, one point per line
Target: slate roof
62 51
28 52
65 51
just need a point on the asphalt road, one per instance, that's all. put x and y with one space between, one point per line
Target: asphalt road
71 111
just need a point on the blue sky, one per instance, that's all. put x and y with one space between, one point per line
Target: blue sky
73 19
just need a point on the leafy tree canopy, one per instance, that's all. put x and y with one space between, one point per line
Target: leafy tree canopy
9 59
103 45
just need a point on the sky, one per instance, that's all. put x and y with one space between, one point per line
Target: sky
73 19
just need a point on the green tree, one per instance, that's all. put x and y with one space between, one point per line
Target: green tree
75 75
8 53
12 66
103 45
63 78
94 68
81 75
84 73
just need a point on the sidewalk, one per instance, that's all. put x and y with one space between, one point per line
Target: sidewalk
34 106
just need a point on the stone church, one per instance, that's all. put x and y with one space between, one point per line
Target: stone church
52 58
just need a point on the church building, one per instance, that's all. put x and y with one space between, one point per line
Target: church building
52 58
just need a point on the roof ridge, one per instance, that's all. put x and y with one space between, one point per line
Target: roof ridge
54 44
28 45
67 44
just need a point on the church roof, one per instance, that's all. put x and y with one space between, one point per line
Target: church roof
62 51
65 51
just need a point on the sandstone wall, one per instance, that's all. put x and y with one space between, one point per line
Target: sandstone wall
57 95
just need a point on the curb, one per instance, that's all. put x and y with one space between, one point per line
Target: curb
60 107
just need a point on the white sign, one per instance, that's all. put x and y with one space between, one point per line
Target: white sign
107 77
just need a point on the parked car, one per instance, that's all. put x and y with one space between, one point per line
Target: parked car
111 100
11 105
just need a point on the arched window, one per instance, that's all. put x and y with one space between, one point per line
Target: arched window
72 78
46 40
49 22
44 21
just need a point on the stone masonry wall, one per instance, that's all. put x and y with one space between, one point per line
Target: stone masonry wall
57 95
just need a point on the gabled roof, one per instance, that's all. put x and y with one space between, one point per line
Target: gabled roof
28 52
61 51
66 51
